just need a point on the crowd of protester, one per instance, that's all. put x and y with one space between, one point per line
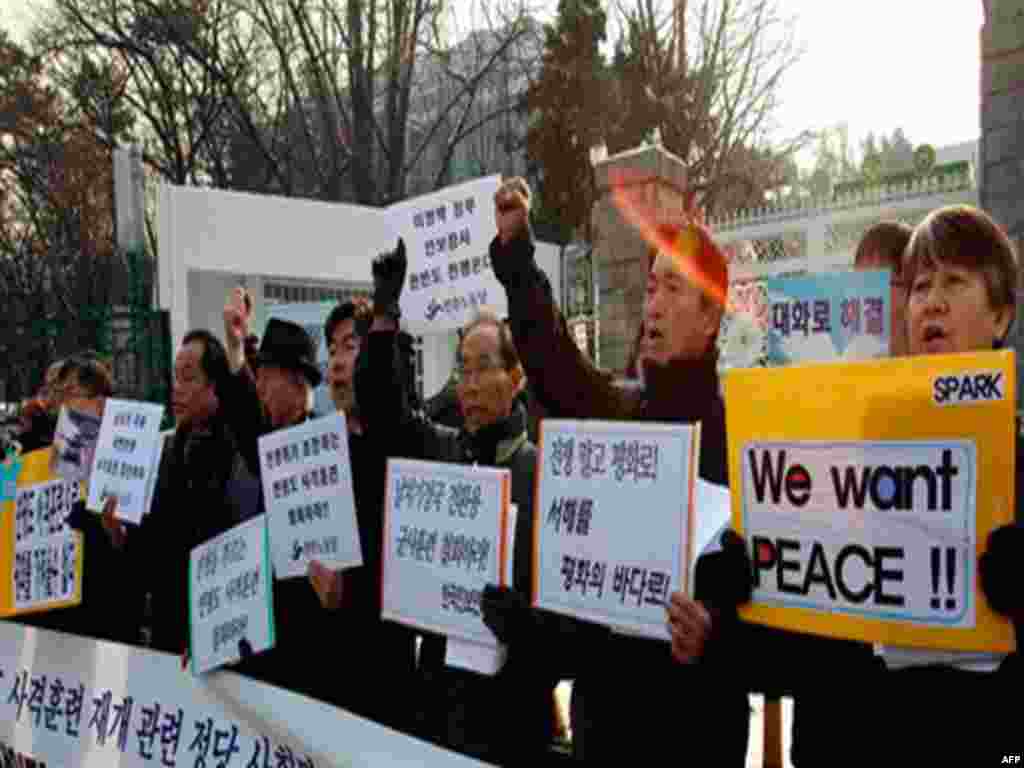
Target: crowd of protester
953 283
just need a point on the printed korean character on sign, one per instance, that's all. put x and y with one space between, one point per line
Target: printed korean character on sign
477 263
464 238
121 722
591 455
464 267
583 515
73 709
429 217
569 514
637 583
620 582
453 241
435 275
583 575
285 756
470 204
851 314
440 245
170 737
414 281
487 260
555 513
598 571
430 247
458 208
23 577
425 279
100 718
625 458
874 320
260 754
406 541
780 317
483 552
48 571
800 316
225 744
69 561
202 741
417 220
561 456
441 214
657 588
36 698
54 705
453 272
568 572
822 322
148 730
19 692
647 462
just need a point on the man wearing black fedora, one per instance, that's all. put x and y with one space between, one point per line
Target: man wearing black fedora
279 395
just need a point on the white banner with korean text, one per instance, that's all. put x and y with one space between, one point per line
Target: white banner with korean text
444 540
447 238
307 485
614 520
73 702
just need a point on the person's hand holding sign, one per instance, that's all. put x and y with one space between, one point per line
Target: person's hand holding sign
328 584
115 529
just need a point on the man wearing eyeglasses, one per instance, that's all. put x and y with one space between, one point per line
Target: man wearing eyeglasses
460 709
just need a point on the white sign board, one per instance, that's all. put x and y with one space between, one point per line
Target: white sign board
447 238
307 485
444 536
874 529
46 550
613 520
127 457
79 703
230 596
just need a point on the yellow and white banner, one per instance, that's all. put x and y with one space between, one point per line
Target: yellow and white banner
866 493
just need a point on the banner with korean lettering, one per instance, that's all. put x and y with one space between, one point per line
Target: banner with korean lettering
615 520
857 487
127 457
777 321
447 237
230 596
40 555
78 703
444 540
307 485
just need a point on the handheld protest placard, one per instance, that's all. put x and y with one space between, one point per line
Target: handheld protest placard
614 528
445 539
867 491
40 555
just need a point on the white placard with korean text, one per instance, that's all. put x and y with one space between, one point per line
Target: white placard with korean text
614 521
444 541
307 485
79 703
447 238
127 455
230 596
47 552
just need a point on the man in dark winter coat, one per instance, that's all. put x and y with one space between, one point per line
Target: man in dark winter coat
627 688
462 710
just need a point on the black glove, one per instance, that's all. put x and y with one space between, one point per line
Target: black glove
507 614
245 649
725 579
388 278
1000 569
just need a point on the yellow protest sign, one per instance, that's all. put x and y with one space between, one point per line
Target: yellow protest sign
40 556
867 491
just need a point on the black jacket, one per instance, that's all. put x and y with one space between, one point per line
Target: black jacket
624 686
348 658
462 710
